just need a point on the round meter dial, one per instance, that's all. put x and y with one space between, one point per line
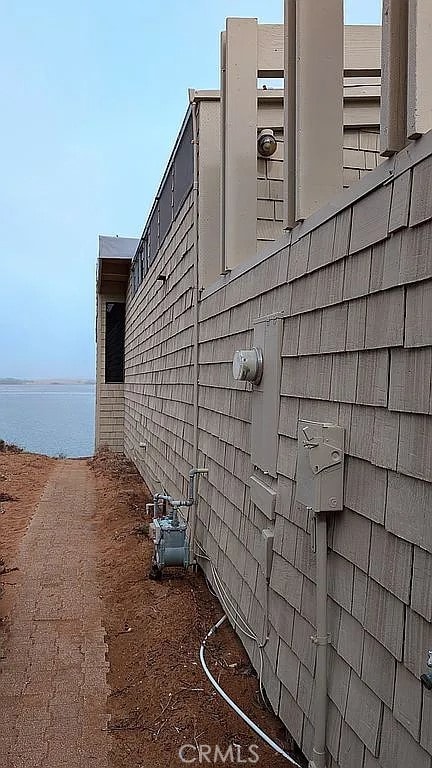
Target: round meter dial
248 365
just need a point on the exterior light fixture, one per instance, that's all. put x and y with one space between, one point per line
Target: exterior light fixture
266 143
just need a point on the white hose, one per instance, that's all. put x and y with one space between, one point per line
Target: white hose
224 598
233 705
237 620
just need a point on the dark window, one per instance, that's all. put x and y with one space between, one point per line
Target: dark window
134 277
139 268
144 257
165 207
114 342
153 235
173 193
183 168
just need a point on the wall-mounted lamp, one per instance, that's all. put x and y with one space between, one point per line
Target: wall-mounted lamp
266 143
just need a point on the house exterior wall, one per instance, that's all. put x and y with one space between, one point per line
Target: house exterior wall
109 397
354 295
158 357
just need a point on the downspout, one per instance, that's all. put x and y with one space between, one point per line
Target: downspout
321 639
195 305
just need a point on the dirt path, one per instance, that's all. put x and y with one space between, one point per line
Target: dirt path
53 688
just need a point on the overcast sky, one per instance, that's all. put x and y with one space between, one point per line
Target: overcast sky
83 84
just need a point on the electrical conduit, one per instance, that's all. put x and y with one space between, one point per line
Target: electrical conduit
195 303
233 705
321 639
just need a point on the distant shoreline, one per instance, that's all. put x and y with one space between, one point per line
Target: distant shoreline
47 381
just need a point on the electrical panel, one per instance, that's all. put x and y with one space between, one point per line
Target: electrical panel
320 466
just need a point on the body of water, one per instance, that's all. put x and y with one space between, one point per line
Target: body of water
49 418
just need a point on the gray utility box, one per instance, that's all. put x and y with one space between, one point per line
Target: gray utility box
320 466
171 544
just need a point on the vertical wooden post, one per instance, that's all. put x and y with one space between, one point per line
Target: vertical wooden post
239 143
394 53
289 180
419 109
209 191
319 103
222 155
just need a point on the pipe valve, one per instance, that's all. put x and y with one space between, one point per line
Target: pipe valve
426 677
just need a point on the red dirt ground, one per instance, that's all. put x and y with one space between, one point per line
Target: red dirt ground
23 477
160 697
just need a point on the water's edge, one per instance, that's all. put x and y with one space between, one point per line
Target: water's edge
49 419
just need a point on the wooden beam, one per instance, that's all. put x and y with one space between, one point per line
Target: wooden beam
270 50
113 287
319 104
270 115
361 92
289 168
362 115
361 110
222 147
419 106
209 154
394 76
240 141
117 276
362 50
119 265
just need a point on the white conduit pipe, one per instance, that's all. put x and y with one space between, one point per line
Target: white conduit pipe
233 705
321 639
196 307
235 617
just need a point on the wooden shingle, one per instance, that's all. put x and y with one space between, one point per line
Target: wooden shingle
370 219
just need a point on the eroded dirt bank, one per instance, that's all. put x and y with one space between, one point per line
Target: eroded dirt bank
22 479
